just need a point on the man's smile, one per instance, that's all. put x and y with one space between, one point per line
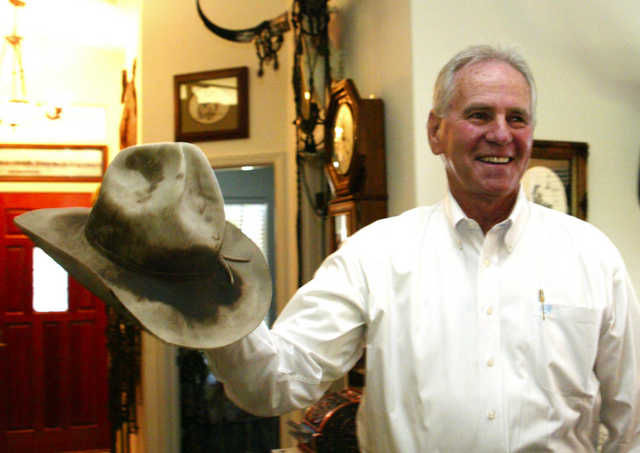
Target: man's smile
495 159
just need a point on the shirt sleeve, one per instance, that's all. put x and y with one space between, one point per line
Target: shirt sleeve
317 338
618 368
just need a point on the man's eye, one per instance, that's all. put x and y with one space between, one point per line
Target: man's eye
478 116
518 119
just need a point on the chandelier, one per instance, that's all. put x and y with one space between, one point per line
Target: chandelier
15 108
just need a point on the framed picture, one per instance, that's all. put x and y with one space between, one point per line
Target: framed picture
212 105
557 176
37 162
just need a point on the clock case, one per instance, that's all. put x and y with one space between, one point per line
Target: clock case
366 172
359 195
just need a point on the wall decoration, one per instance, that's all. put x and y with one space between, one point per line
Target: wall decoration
557 176
129 101
316 30
37 162
266 36
212 105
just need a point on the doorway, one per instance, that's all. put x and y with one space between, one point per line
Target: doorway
210 421
53 353
249 204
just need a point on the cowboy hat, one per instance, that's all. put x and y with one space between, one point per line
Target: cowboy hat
156 242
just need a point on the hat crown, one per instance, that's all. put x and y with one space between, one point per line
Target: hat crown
160 211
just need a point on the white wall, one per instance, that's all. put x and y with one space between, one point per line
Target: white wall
586 88
175 41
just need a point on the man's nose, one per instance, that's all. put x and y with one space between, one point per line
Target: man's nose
499 132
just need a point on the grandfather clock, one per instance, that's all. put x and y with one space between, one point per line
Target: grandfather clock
356 169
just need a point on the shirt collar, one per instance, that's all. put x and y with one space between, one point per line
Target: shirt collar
514 224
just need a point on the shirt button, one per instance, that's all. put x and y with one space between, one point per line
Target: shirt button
491 415
490 363
490 311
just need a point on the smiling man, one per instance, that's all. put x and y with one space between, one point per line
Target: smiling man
491 324
484 133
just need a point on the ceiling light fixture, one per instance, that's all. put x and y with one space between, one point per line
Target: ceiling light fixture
16 109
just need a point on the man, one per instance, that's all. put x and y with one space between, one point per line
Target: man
491 324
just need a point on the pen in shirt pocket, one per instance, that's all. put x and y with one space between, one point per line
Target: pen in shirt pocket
544 308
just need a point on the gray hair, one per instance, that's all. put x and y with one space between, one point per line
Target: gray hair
445 83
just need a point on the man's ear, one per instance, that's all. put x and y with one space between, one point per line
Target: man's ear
433 132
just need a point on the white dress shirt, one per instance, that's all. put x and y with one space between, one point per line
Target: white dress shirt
462 355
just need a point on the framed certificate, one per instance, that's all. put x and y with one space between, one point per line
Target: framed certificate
38 162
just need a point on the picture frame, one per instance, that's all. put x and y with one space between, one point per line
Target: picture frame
559 166
212 105
55 162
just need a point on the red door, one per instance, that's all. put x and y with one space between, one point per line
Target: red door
53 365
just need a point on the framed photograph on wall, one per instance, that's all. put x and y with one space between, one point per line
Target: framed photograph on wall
40 162
557 176
212 105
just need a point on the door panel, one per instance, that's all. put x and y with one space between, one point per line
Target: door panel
54 364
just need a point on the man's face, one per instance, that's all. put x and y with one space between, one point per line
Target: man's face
486 136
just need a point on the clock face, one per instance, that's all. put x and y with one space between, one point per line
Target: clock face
343 140
543 186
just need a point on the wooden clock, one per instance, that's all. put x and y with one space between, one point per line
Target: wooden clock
356 168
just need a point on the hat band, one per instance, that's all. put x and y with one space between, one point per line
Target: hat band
136 267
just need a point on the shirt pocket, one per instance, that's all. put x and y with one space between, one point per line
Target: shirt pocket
565 341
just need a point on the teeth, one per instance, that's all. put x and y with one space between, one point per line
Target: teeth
496 160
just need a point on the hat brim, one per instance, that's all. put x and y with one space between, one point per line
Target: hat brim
191 313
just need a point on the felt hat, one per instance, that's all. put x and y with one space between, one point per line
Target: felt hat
156 242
